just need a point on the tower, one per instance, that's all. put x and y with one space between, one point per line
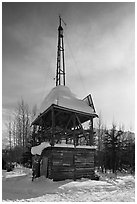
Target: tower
59 122
60 72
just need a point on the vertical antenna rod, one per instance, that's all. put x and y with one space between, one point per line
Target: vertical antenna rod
60 72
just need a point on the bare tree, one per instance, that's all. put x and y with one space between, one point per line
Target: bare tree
100 133
99 143
21 125
34 128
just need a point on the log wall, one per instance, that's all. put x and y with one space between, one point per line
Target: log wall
69 163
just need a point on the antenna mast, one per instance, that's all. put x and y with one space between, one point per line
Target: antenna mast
60 72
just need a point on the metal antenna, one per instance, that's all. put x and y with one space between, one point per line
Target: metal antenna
62 20
60 72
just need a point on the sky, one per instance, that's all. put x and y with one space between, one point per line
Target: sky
99 55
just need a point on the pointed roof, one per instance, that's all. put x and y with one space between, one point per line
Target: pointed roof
62 97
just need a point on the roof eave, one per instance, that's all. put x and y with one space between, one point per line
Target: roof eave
94 115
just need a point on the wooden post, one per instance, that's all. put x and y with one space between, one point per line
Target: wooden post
74 124
10 141
53 126
91 132
74 139
52 139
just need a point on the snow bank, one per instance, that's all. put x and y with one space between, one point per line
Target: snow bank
19 171
10 175
84 190
39 148
82 183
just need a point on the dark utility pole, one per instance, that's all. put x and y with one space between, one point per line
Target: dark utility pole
10 141
60 72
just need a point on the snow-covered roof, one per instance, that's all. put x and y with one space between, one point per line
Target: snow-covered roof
39 148
72 146
62 96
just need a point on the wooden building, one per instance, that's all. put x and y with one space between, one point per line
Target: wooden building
65 149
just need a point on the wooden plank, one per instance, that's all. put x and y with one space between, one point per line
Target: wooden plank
85 154
63 175
57 163
63 168
85 175
83 160
85 165
85 172
84 169
58 157
57 153
83 157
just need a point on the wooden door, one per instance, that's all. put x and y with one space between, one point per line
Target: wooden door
44 167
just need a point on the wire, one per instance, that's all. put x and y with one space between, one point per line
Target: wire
84 88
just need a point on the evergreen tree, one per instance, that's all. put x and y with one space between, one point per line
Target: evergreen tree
112 148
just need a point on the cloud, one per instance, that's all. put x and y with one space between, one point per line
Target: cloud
99 54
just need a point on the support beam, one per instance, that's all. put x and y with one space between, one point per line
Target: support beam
91 132
53 126
80 125
74 139
71 117
74 124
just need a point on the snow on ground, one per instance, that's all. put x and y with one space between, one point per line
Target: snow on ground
17 186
